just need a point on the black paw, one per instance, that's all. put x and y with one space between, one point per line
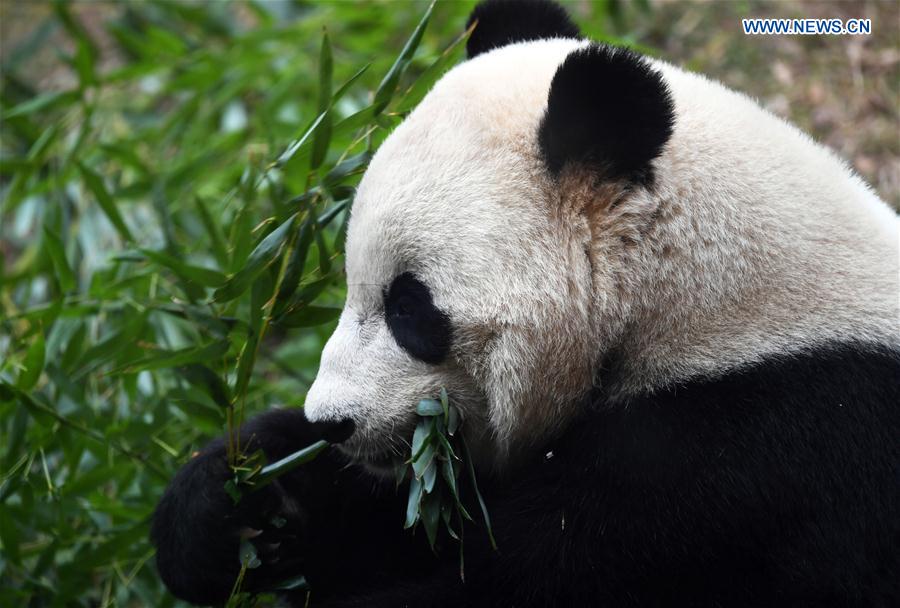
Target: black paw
203 536
271 527
199 532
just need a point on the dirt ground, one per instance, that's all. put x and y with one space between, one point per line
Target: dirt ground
843 90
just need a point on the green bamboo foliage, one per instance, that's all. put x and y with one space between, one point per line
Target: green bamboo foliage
172 229
440 464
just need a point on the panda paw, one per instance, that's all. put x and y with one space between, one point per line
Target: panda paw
274 525
202 536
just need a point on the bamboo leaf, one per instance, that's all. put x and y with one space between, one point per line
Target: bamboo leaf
259 296
355 121
208 381
45 101
309 292
126 155
270 473
42 144
248 556
430 476
413 502
420 439
431 516
246 361
83 61
321 140
329 215
175 358
216 238
263 255
322 136
340 240
326 71
206 277
467 456
95 184
73 348
33 364
446 514
57 253
346 86
453 421
425 458
296 262
107 349
445 404
429 407
309 316
73 27
295 146
322 248
388 86
240 238
346 168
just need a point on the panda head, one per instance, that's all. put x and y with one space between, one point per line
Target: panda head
464 270
558 215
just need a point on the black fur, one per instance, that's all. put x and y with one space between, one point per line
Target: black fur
773 486
609 109
335 515
502 22
415 322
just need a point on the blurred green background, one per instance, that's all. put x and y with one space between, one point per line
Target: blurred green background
175 182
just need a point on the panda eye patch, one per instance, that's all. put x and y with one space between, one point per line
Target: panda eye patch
415 322
402 307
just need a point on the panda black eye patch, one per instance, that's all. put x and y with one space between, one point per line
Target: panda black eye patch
415 322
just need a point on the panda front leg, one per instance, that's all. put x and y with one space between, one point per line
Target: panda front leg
340 527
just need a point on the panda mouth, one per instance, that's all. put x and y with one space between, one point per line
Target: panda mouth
380 452
381 463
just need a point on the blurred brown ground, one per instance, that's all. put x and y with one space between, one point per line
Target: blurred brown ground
843 90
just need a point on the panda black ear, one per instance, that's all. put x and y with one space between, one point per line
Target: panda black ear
502 22
608 108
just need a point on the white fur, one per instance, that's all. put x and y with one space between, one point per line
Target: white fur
755 242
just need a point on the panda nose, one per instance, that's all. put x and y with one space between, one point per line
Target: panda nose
334 431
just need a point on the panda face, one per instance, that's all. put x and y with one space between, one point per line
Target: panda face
460 275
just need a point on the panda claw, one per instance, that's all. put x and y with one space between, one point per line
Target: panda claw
246 533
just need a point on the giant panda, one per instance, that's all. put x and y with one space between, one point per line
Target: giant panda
670 322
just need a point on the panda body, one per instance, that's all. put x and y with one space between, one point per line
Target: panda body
670 321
